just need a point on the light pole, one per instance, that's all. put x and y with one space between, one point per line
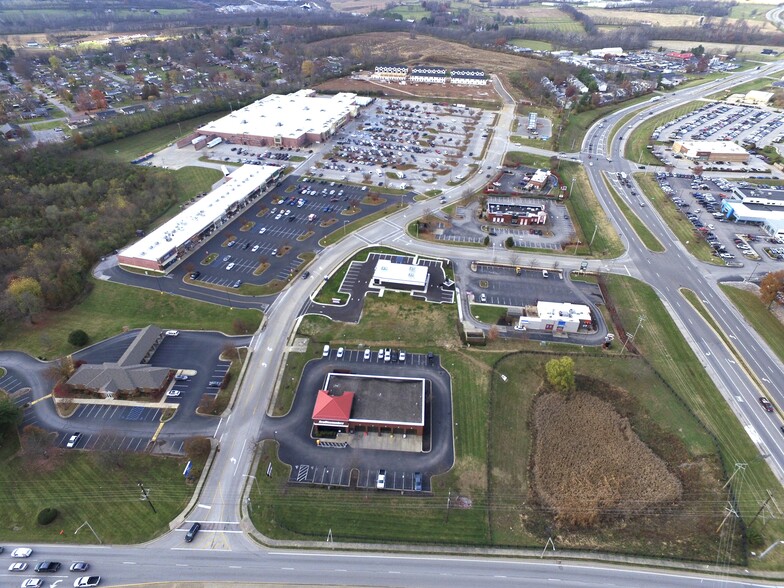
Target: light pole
345 222
754 271
595 228
571 187
91 528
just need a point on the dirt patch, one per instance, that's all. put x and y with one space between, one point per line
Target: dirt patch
589 463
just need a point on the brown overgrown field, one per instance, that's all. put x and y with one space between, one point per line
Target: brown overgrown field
589 463
602 16
446 91
399 47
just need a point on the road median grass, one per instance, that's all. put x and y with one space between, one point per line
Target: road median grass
352 226
110 308
578 124
648 239
675 219
639 139
758 315
98 487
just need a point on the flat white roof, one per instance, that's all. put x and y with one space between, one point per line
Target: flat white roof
713 146
563 311
203 213
400 273
757 213
290 115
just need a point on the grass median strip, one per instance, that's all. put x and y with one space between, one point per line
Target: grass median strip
639 139
350 227
678 223
648 239
754 311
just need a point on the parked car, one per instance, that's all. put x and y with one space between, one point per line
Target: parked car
417 482
401 356
340 352
174 393
33 583
381 480
214 384
325 351
22 552
195 275
180 377
237 284
73 441
366 355
172 333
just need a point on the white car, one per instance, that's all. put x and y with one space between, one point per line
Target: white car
380 354
172 333
73 440
32 583
255 248
230 266
86 581
402 356
340 352
22 552
366 355
262 230
19 566
174 393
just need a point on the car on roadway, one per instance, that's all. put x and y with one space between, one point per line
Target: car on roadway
33 583
87 581
191 534
174 393
305 275
19 566
366 355
73 441
195 275
48 567
766 404
79 566
22 552
417 481
180 377
172 333
340 353
381 480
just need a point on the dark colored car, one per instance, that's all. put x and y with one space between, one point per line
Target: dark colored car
48 566
214 384
766 404
192 532
195 275
306 275
431 359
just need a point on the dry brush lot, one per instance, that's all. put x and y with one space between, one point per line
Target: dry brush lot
589 462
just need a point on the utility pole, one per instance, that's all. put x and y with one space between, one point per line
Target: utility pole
596 228
146 495
448 503
764 505
629 337
730 512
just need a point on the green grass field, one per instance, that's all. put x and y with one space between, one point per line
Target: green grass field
488 314
676 220
155 139
763 321
534 45
750 11
648 239
93 488
109 308
758 84
191 180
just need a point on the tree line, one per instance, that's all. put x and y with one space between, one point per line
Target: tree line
59 213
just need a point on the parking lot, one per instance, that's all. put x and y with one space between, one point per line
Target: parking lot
747 126
265 241
700 201
354 459
400 143
506 288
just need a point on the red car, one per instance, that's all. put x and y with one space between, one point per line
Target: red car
766 404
